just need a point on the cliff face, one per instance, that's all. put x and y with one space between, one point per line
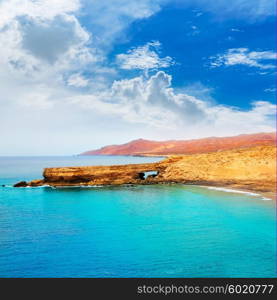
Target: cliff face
251 168
100 175
144 147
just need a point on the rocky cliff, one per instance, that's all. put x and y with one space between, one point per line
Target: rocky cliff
145 147
251 168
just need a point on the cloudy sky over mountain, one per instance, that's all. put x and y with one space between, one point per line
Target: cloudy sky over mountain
79 74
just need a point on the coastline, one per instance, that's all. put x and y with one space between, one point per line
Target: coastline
241 190
250 170
224 188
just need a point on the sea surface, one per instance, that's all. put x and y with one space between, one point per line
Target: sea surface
130 231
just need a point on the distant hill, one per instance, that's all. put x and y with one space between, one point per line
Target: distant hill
211 144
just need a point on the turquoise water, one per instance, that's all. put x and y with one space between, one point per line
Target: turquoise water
135 231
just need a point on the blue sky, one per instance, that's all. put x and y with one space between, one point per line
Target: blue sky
79 74
192 38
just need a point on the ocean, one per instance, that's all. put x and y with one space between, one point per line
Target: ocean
130 231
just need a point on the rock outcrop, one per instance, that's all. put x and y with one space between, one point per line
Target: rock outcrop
145 147
252 169
21 184
101 175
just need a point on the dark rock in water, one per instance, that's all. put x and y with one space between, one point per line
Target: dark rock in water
3 185
21 184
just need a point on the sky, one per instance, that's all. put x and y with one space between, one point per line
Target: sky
76 75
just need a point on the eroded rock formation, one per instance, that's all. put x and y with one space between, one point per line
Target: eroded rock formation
100 175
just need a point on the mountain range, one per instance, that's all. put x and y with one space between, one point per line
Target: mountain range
144 147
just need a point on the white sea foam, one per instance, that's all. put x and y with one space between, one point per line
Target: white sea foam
76 186
27 187
232 191
36 187
236 191
266 199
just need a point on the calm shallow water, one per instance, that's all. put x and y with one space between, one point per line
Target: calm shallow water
135 231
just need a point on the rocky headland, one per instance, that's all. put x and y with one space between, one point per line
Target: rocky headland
252 169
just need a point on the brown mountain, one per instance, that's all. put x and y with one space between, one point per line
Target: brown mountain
211 144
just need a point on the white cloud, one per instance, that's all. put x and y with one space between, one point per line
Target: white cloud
155 103
236 30
43 38
144 58
45 9
270 90
243 56
249 11
50 40
77 80
144 101
46 52
148 107
194 31
198 14
37 100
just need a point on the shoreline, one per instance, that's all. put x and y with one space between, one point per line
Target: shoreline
221 188
233 189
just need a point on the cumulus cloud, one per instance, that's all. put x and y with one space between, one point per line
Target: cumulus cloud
144 58
39 34
154 102
243 56
50 40
45 42
57 84
148 106
149 101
